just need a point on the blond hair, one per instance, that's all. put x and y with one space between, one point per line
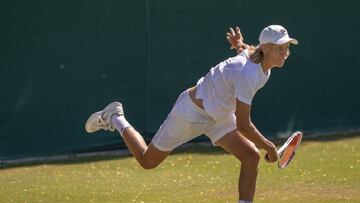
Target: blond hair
256 54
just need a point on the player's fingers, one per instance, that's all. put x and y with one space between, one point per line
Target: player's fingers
237 29
230 42
238 32
269 160
232 32
228 39
271 157
266 157
228 35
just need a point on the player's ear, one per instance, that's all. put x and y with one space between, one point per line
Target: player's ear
265 48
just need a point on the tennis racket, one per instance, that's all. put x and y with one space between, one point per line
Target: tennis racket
287 152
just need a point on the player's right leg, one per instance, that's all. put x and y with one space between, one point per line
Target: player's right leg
183 124
111 118
148 156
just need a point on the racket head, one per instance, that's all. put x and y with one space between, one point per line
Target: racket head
288 151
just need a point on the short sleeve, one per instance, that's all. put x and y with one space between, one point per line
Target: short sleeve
244 90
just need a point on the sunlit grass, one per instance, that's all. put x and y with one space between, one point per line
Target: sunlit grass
327 171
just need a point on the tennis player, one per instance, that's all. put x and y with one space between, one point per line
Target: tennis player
218 106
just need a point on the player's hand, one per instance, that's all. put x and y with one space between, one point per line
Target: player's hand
271 155
236 40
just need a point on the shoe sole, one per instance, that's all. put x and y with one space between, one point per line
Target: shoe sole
96 114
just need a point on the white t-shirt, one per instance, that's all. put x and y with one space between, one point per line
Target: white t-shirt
234 78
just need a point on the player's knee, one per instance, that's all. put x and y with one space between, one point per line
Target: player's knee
253 156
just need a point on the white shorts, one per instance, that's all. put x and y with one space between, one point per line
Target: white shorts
187 121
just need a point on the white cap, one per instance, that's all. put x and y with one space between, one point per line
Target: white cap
275 34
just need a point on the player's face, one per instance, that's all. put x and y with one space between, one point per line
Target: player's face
277 54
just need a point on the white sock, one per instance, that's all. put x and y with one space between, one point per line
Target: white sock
120 123
244 201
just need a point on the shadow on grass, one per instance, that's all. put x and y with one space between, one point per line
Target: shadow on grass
200 146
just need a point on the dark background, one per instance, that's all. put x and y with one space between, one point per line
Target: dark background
62 60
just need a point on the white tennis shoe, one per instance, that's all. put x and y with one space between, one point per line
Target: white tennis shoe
101 120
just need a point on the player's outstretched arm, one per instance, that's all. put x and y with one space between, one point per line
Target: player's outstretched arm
236 40
248 129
